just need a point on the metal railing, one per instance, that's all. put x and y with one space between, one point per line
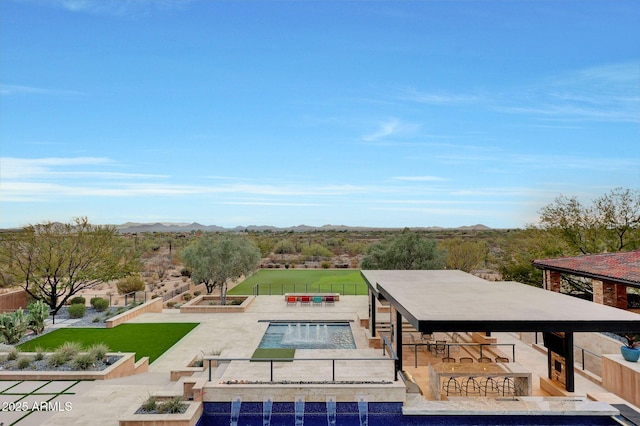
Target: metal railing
448 345
582 351
350 289
272 360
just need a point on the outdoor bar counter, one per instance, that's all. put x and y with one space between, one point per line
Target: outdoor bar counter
443 371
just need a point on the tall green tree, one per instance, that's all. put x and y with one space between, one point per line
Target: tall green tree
610 223
54 261
465 255
409 250
214 260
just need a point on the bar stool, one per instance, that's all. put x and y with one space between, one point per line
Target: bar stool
508 387
485 360
471 387
466 360
448 359
490 386
451 386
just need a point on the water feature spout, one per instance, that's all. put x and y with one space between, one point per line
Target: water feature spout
331 411
267 406
235 410
299 407
363 410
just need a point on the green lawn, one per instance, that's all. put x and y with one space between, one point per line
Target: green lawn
150 339
282 281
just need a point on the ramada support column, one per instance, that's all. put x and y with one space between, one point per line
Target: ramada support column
552 280
372 313
398 341
569 362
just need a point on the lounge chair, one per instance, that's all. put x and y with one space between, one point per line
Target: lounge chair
329 300
292 300
317 300
305 300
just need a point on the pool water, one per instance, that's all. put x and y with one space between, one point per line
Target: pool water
308 335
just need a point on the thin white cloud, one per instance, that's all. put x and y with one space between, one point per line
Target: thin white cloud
607 93
436 98
112 7
24 168
392 127
16 89
420 178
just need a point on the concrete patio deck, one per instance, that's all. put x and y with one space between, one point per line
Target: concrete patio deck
237 335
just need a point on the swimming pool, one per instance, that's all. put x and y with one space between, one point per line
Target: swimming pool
377 414
308 335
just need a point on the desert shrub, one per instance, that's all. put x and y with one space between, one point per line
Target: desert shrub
23 362
12 355
56 359
78 300
130 284
99 304
83 361
77 311
95 319
39 353
69 349
326 265
187 296
185 272
150 404
38 313
171 305
172 406
98 351
197 293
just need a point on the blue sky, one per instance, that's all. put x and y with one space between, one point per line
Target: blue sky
362 113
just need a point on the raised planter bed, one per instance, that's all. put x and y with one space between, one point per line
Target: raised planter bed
188 418
125 366
207 303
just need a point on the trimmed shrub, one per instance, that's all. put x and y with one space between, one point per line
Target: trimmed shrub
130 284
187 296
197 293
77 311
78 300
99 304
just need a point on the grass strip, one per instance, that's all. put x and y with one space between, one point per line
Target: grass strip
148 339
278 282
273 353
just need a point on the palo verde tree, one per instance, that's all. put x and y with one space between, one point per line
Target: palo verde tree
214 260
409 250
54 261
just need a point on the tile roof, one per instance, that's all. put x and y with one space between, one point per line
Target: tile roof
620 266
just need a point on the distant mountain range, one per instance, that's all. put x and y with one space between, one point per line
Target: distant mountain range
131 227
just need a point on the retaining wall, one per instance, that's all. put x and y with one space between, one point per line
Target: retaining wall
153 305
